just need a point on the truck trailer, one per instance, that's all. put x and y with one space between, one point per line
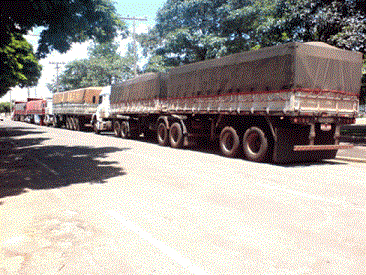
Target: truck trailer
19 110
30 111
280 104
74 109
35 111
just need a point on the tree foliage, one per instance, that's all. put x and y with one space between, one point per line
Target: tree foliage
190 31
103 66
341 23
5 107
63 22
19 66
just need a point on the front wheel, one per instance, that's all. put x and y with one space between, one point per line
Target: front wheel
229 142
117 129
255 145
95 128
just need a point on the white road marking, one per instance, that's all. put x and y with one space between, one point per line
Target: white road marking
47 167
170 252
308 196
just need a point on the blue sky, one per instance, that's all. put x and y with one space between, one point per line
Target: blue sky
125 8
139 8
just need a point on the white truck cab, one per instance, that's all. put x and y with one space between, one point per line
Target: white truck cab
100 119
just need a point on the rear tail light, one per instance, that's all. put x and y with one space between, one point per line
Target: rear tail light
302 120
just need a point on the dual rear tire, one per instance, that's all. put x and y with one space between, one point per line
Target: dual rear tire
255 143
122 129
173 136
73 123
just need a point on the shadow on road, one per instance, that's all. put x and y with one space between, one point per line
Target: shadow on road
23 165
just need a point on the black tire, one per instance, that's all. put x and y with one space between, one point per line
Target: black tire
229 142
77 124
256 144
176 135
162 134
117 129
55 123
95 128
73 123
125 129
68 123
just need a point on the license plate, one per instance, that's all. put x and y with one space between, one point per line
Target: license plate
325 127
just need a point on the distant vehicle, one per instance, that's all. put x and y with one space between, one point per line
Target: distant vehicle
74 109
27 110
35 110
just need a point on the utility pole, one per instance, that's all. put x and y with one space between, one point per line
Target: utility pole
57 68
134 19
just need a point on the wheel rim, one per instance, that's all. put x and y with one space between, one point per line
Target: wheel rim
228 141
175 134
254 142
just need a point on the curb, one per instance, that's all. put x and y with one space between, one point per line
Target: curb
351 159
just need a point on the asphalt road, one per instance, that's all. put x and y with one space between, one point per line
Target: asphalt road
79 203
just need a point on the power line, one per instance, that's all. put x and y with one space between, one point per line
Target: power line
57 68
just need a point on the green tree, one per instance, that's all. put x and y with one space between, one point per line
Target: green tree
5 107
341 23
190 31
63 22
103 66
19 66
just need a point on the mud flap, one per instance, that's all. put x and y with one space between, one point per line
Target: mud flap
288 137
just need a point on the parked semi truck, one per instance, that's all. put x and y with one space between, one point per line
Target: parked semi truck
281 104
74 109
35 111
32 110
19 110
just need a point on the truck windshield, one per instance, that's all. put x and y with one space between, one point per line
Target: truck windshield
100 99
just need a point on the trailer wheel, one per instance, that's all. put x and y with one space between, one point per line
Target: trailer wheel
77 124
73 123
176 135
162 134
55 123
117 129
229 142
68 123
255 145
125 129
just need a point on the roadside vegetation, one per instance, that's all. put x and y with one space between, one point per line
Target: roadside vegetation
63 22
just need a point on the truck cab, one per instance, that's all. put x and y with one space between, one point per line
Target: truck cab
100 120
